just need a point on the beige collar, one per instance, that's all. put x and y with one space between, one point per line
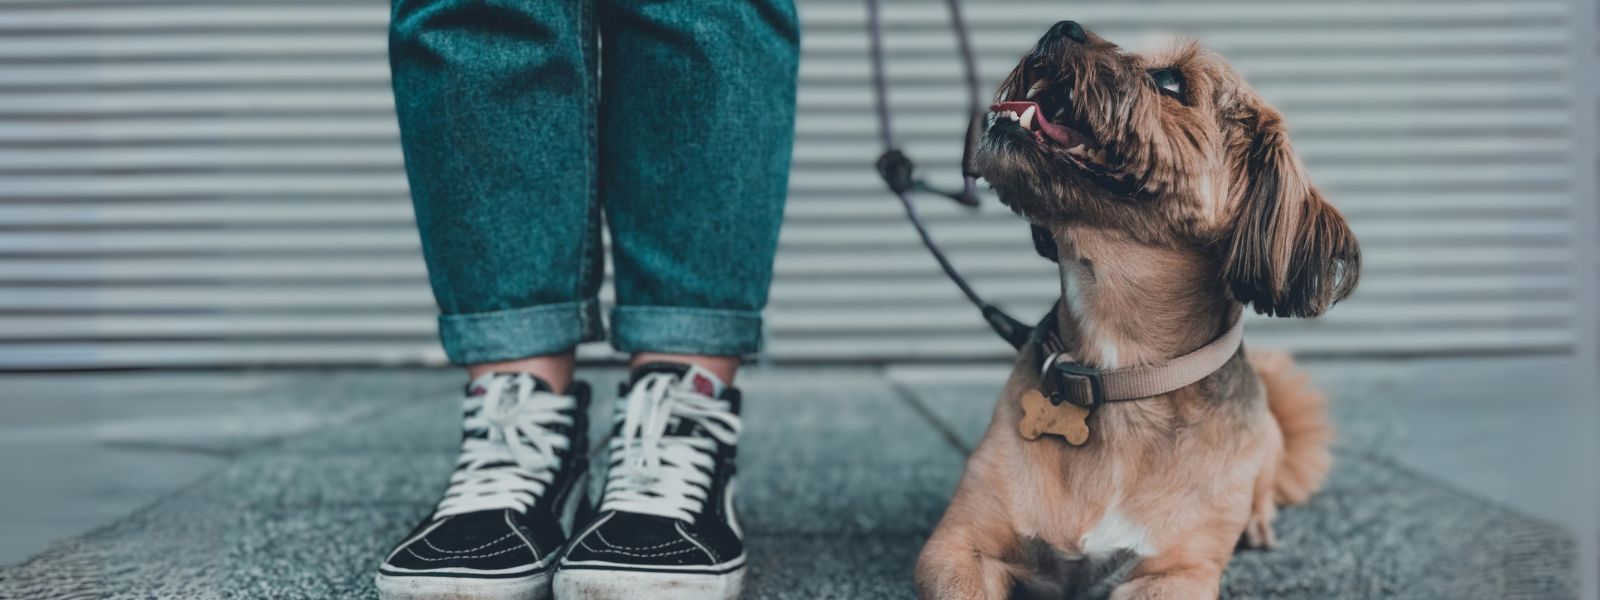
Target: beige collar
1065 380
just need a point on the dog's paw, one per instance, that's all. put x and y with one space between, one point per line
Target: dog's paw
1258 533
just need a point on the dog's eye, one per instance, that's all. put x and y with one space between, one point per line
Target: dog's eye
1169 81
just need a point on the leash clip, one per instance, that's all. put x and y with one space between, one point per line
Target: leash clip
1076 384
896 170
900 173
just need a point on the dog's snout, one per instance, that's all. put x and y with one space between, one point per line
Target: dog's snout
1070 30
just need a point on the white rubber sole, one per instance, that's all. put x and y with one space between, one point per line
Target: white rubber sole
531 587
605 584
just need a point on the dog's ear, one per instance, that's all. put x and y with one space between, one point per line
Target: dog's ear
1287 252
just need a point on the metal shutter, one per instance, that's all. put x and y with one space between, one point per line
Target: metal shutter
188 183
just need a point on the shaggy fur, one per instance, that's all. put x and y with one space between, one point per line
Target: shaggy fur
1197 208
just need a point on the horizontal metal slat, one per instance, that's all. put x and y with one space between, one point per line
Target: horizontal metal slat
821 181
845 97
272 210
374 71
886 321
1235 14
223 155
976 345
1311 39
116 46
1004 232
1400 121
373 18
838 295
889 263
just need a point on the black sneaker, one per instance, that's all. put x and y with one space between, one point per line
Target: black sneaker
665 527
500 527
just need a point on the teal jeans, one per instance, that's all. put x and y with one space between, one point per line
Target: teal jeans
526 124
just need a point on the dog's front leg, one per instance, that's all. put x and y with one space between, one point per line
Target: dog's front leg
1172 579
955 566
965 558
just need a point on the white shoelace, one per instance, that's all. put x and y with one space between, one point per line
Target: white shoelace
510 467
660 474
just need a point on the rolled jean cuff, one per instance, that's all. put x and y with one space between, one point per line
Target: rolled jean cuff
684 330
476 338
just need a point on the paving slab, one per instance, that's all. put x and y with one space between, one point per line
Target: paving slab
118 441
841 453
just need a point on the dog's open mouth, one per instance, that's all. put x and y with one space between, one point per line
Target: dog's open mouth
1049 117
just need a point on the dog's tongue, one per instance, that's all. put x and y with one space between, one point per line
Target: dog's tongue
1065 136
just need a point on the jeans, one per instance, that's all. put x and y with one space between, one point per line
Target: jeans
516 147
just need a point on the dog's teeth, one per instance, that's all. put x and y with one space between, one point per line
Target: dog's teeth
1061 113
1027 117
1072 96
1038 86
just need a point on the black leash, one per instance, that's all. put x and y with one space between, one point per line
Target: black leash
901 175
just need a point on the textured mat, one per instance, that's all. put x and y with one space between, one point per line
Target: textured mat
842 481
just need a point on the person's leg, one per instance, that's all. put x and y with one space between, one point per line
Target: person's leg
496 106
697 121
697 124
554 369
496 102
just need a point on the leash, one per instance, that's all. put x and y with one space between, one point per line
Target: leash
900 173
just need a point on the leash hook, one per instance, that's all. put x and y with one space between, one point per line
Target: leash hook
900 173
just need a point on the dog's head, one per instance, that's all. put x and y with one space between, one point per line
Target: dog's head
1173 148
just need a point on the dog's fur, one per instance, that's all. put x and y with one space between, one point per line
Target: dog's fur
1212 212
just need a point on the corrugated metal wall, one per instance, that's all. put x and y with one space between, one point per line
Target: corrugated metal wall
219 183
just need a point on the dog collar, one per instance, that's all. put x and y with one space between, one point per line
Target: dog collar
1063 379
1070 391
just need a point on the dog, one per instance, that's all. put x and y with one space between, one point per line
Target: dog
1174 200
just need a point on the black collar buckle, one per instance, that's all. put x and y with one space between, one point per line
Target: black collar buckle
1077 384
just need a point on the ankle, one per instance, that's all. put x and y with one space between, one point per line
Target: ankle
724 367
554 369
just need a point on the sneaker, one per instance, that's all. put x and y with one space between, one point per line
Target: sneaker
501 525
665 527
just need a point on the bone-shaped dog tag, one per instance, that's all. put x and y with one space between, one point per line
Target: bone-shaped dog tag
1039 417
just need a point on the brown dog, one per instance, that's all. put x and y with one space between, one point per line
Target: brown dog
1174 199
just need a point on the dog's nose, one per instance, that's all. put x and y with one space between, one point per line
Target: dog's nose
1067 29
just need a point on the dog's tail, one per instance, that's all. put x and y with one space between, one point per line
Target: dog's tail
1302 415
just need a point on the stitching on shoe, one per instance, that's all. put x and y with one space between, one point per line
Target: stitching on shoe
634 554
611 545
443 551
525 541
441 559
413 539
698 543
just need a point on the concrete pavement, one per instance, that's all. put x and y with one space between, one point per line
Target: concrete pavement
843 473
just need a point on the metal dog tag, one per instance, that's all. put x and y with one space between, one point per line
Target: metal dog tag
1066 419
